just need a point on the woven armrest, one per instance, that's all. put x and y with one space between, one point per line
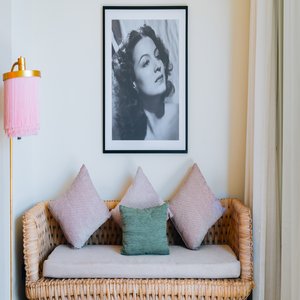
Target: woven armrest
41 234
234 228
240 237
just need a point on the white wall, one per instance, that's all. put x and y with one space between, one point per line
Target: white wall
64 40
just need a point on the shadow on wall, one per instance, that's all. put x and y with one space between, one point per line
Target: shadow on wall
238 94
19 260
184 170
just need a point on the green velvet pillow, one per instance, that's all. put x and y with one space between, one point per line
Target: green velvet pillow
144 230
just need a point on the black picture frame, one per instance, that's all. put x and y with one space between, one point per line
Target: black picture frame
145 107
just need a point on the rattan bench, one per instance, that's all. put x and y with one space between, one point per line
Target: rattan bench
41 234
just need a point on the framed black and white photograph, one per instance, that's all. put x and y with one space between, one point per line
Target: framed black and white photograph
145 79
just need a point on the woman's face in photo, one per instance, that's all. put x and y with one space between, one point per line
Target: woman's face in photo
148 68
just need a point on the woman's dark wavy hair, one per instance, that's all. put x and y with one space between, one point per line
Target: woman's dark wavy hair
130 118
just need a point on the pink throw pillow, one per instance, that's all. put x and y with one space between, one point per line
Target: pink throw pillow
140 194
79 211
195 209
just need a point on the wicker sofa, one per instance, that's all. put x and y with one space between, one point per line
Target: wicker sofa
41 234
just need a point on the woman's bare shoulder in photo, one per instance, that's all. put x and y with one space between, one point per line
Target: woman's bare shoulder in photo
166 127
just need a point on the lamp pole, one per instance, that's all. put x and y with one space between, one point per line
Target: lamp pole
11 213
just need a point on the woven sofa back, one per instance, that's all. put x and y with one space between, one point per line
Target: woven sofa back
111 234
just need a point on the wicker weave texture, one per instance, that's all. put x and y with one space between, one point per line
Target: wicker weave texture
139 289
41 234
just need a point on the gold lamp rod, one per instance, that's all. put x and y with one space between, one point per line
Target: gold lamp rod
21 63
11 215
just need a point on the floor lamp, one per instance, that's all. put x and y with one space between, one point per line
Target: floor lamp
21 118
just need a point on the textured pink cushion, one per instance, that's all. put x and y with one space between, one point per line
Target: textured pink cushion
140 194
79 211
195 209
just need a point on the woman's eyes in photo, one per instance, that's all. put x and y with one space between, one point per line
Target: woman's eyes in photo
145 63
146 60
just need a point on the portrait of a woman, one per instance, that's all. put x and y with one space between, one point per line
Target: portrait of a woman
142 89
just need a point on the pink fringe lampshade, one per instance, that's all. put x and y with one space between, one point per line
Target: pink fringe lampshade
21 114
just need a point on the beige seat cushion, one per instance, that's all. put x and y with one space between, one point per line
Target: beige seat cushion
105 261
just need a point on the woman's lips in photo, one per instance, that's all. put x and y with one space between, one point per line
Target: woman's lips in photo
159 78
